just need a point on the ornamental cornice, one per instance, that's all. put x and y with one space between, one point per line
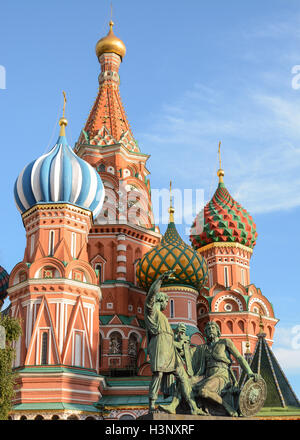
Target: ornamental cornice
56 206
224 245
179 289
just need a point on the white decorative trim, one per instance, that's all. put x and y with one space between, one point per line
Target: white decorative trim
122 269
232 297
260 301
122 258
121 247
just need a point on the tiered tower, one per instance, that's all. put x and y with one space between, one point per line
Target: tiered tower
224 234
124 231
54 290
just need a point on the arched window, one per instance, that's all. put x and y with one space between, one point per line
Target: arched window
101 167
98 269
229 326
243 276
115 343
226 277
39 417
78 350
189 310
44 351
133 346
172 308
73 245
210 277
32 242
51 243
241 326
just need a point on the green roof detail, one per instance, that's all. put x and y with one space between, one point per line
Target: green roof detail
55 406
129 400
56 369
279 390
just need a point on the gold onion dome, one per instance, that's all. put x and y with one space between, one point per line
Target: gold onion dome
172 254
110 44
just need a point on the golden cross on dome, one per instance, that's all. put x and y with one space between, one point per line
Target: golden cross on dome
63 122
220 172
111 23
171 209
65 100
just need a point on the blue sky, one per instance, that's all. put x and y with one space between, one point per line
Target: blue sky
195 72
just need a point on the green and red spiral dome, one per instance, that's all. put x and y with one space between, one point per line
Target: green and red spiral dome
4 279
223 220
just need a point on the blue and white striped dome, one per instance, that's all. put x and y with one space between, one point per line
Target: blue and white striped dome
59 176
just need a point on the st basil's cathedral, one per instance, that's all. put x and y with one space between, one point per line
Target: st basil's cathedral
92 252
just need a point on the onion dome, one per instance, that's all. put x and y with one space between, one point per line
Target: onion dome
172 254
223 220
110 44
59 176
4 279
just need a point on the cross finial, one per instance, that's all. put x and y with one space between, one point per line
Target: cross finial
63 122
171 209
220 172
219 151
64 106
111 23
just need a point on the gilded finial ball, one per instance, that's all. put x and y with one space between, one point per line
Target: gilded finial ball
63 121
220 173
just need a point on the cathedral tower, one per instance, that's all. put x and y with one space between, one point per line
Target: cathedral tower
224 233
54 290
124 230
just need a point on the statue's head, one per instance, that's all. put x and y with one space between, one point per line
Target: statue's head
181 331
212 329
162 299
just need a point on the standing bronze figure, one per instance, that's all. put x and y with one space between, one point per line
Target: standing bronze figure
164 359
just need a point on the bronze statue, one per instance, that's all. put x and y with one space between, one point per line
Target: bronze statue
202 373
219 379
164 359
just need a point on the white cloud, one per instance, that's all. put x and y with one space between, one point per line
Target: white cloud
288 359
260 144
287 348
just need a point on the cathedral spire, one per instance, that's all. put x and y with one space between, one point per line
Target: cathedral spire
107 123
220 172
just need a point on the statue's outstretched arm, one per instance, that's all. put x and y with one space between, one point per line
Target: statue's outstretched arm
155 286
241 360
